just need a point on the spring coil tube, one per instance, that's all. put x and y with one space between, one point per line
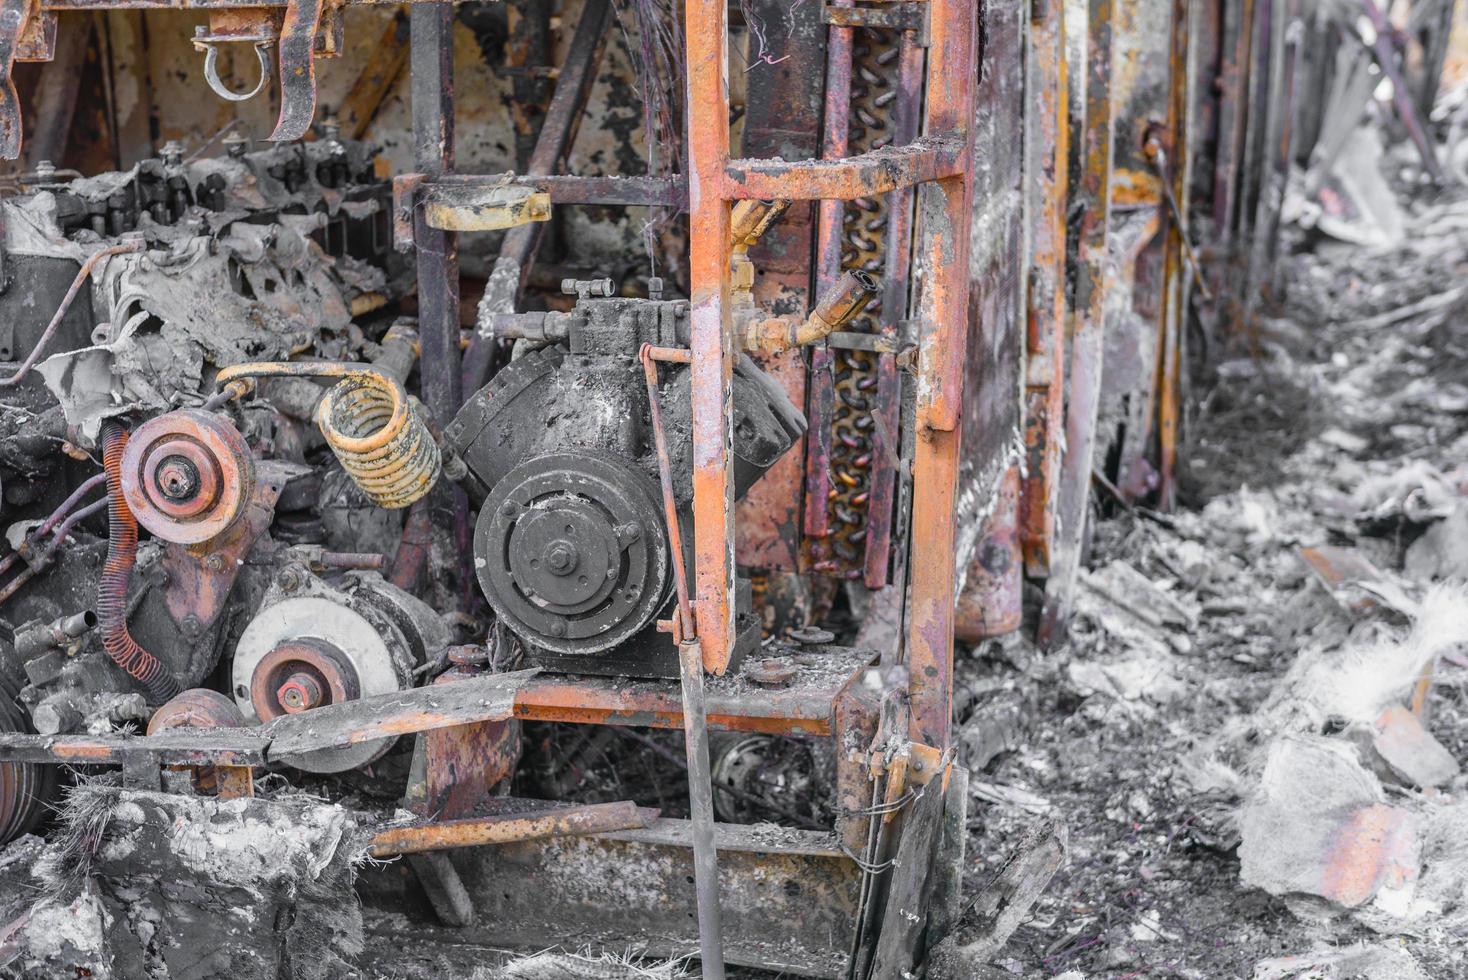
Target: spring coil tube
122 552
381 438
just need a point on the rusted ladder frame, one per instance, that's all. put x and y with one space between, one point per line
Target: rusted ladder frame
943 215
1089 333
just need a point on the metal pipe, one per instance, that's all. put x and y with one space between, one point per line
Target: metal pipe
122 551
134 245
687 628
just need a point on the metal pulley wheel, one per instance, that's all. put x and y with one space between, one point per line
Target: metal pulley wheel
187 475
571 551
27 789
308 652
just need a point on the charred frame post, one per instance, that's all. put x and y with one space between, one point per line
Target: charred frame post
1090 308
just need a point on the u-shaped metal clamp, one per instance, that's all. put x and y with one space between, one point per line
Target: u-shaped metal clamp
211 66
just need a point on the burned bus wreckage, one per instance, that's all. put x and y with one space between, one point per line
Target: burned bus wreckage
564 543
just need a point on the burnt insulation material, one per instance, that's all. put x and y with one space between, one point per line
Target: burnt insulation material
144 885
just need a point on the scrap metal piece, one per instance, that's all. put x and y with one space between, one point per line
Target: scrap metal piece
297 55
555 821
466 208
14 16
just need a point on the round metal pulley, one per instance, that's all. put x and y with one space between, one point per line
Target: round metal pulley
187 475
198 707
572 552
27 789
309 652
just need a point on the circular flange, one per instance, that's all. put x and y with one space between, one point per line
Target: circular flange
321 641
572 552
187 475
198 707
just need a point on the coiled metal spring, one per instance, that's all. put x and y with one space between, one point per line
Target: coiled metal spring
378 433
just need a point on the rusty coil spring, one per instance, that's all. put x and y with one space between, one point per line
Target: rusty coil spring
378 433
863 241
117 571
381 438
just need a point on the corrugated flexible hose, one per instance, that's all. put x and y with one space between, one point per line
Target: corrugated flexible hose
122 553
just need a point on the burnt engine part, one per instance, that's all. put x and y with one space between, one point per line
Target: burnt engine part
379 433
313 644
26 789
187 475
571 546
122 552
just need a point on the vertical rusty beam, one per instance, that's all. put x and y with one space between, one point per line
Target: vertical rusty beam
1089 333
782 118
1175 165
431 28
1049 94
713 336
822 392
1232 116
55 94
943 243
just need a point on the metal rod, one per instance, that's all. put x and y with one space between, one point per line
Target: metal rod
687 628
701 809
133 245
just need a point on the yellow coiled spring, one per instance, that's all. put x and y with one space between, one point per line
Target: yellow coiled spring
377 431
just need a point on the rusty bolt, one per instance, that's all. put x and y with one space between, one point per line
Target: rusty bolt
215 563
557 628
289 579
178 478
301 692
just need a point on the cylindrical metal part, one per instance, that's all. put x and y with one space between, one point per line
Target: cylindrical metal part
989 603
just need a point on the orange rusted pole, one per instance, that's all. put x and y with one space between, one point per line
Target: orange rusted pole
508 828
1044 373
712 330
944 209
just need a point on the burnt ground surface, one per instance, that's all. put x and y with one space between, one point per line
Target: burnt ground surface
1353 398
1341 422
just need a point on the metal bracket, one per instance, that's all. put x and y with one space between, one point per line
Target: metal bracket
893 16
297 56
15 17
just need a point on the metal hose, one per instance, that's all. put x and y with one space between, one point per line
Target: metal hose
122 552
380 435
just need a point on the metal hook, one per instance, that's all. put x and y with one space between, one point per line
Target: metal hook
211 71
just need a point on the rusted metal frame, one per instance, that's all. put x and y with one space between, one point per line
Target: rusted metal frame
908 17
821 393
652 192
713 343
1178 160
564 821
944 209
557 133
855 714
1271 152
432 86
1251 166
1232 116
711 374
1092 283
1049 94
934 157
180 748
15 18
896 277
1386 57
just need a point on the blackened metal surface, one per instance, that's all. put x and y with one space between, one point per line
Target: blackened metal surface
993 375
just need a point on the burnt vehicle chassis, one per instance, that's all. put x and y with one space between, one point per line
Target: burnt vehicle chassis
592 510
